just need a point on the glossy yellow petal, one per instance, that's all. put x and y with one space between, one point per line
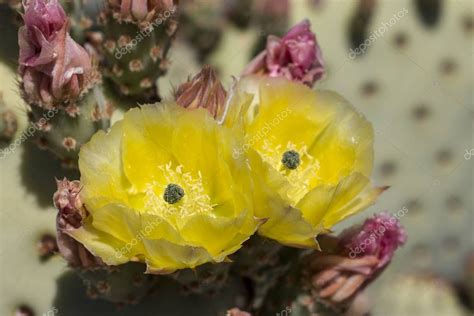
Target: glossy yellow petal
156 227
141 156
101 171
345 145
165 257
352 195
218 235
101 244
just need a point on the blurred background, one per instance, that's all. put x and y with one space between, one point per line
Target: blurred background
407 65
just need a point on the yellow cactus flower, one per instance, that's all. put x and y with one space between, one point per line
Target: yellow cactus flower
311 151
163 188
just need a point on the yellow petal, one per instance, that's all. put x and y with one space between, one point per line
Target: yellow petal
165 257
101 173
111 250
345 145
352 195
219 236
141 154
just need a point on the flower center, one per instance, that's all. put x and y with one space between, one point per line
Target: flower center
291 159
167 198
173 193
296 164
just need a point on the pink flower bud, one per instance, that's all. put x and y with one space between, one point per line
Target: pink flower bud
204 90
379 236
53 67
352 260
296 56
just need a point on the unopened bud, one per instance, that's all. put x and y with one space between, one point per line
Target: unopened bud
204 90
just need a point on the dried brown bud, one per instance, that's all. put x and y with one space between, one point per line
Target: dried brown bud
47 246
204 90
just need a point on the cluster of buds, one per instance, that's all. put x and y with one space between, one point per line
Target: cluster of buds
338 275
296 56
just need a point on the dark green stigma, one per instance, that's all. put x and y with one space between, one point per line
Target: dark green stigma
291 159
173 193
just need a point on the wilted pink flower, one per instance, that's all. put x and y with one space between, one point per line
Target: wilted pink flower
340 272
53 67
71 211
296 56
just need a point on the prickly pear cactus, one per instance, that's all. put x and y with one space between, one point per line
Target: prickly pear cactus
422 121
124 284
135 49
263 262
64 130
84 17
207 279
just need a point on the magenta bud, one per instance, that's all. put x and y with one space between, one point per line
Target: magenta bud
53 67
296 56
379 236
354 259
